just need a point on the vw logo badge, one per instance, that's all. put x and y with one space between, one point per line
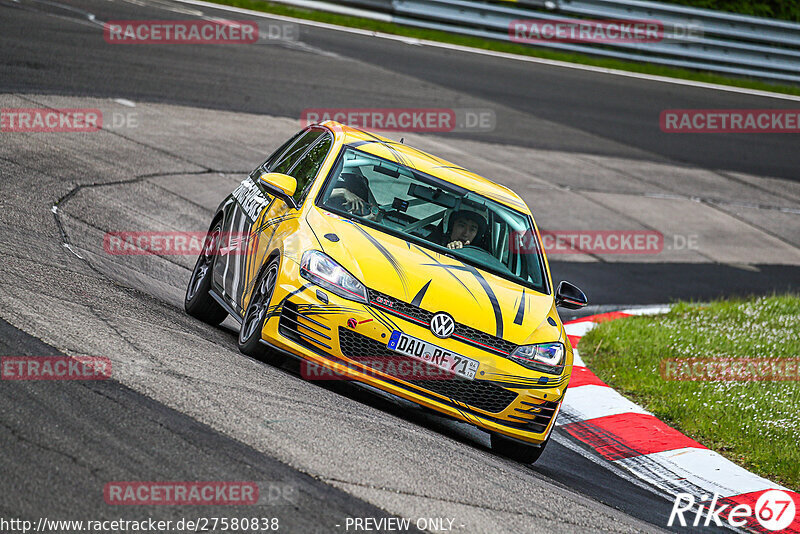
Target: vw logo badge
442 325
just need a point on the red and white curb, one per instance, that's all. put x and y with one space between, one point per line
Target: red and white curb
632 438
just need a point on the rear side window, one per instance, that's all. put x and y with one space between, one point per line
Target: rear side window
274 157
296 151
307 168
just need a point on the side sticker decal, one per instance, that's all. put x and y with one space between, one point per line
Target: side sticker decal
250 198
521 309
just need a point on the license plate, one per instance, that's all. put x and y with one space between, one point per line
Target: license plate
433 355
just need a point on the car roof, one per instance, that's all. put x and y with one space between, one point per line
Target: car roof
414 158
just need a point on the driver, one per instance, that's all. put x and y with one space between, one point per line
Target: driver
352 192
466 227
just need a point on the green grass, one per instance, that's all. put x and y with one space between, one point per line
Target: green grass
503 46
777 9
756 424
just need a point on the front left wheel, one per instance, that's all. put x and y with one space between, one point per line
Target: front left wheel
257 311
198 302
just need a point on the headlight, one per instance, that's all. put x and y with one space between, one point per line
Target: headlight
543 357
323 271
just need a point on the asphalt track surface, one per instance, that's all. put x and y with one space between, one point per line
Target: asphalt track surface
64 450
185 404
548 107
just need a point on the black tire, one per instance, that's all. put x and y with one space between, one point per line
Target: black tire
256 314
197 302
517 450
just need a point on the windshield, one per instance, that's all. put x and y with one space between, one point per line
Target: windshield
435 214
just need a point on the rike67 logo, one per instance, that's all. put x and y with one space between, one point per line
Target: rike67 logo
775 510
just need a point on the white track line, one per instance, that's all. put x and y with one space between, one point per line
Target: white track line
698 471
578 328
592 401
593 457
704 468
577 361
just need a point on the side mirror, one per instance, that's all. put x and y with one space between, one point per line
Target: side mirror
281 185
570 297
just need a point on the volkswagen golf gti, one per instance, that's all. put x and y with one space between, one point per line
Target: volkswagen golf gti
380 263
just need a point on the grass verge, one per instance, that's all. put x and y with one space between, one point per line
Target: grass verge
756 424
508 47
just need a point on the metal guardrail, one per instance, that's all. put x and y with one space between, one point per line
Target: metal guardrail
736 27
720 42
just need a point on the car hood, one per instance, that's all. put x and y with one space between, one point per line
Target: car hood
436 282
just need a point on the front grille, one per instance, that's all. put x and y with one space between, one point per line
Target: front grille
484 338
303 329
476 393
389 304
398 305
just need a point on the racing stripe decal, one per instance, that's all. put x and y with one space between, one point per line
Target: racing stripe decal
275 221
251 261
448 268
498 313
226 286
399 157
251 249
237 264
515 384
387 319
521 309
319 310
382 318
439 264
452 167
420 295
425 155
398 268
501 199
356 144
276 308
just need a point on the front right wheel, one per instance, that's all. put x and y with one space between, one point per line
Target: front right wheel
516 450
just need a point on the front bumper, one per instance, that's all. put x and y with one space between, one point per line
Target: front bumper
350 339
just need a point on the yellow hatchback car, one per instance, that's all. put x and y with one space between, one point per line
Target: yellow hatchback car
380 263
